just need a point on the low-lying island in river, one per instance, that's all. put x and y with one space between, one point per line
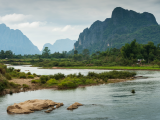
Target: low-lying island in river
28 81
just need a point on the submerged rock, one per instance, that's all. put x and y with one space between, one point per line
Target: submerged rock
31 105
74 106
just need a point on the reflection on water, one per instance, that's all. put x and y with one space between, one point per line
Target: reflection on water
103 102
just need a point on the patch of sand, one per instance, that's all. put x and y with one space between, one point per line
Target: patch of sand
24 81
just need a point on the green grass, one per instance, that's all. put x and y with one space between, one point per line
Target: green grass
117 67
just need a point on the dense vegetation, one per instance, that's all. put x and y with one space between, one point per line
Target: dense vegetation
72 81
9 73
128 55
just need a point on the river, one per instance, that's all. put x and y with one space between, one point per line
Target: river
103 102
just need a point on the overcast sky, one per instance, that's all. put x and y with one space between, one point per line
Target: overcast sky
45 21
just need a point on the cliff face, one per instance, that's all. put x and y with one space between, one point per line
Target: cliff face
123 27
16 41
60 45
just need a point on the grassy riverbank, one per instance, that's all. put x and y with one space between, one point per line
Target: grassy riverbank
108 67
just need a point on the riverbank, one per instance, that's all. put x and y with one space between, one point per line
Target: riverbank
156 68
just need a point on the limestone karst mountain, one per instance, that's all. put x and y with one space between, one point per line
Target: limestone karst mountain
123 27
16 41
60 45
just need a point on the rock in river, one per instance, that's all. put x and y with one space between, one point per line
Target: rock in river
74 106
30 106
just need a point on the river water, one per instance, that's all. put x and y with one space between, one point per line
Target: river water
103 102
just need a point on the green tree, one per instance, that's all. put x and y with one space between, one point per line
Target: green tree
46 52
85 54
75 52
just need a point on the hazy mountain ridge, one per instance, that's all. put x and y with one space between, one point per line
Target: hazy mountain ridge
121 28
16 41
60 45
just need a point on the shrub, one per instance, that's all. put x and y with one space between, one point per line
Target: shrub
2 70
59 76
8 76
80 75
14 85
14 74
92 74
34 74
30 76
61 64
22 75
35 81
18 70
66 84
10 69
3 82
25 86
52 82
29 73
44 79
72 75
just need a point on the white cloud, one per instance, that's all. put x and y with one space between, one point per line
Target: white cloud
14 17
56 29
64 29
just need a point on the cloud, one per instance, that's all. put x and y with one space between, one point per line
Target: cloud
29 25
13 17
64 29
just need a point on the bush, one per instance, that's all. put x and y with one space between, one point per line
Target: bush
14 85
29 73
14 74
59 76
66 84
8 76
2 70
34 74
52 82
22 75
18 70
30 76
10 69
44 79
25 86
92 74
80 75
3 84
72 75
35 81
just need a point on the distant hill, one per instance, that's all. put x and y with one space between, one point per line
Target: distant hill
60 45
16 41
123 27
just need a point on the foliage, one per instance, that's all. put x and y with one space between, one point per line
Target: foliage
29 73
14 85
25 86
30 76
46 52
22 75
35 81
8 76
52 82
44 79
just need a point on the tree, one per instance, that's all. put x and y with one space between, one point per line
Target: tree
85 54
46 52
75 52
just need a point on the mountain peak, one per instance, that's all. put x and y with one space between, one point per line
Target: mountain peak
120 14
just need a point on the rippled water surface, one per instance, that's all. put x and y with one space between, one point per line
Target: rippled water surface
103 102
